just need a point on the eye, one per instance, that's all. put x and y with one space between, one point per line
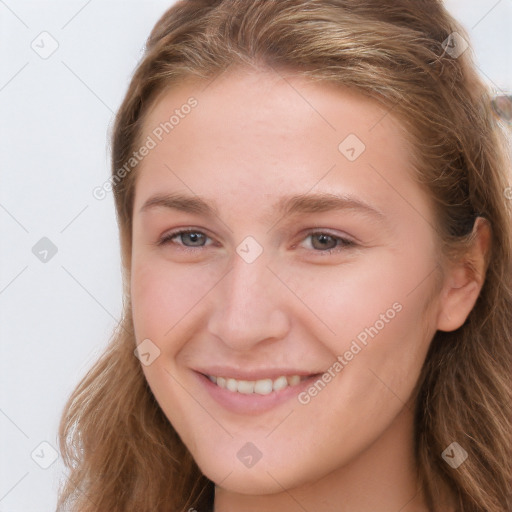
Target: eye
186 236
325 242
322 241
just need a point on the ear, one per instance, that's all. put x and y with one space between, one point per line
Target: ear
464 280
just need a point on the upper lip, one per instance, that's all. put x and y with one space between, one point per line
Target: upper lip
252 374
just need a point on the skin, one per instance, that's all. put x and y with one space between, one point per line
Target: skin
253 137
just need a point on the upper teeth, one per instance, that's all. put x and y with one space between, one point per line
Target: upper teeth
262 387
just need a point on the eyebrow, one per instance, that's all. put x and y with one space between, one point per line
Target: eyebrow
286 205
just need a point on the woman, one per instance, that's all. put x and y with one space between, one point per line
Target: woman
316 246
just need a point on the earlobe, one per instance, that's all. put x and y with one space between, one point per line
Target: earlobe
464 280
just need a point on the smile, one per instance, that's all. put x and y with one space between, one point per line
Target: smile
261 387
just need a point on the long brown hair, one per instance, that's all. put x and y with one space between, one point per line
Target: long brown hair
121 451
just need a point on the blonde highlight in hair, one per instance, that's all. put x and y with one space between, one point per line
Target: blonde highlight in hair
121 450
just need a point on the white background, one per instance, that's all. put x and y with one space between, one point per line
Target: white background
55 117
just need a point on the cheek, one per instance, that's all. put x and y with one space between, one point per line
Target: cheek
376 314
375 366
352 296
165 297
163 294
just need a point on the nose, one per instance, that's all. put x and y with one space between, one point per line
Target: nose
249 306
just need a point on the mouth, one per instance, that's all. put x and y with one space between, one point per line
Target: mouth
260 387
253 397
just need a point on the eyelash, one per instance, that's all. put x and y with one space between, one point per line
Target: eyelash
344 243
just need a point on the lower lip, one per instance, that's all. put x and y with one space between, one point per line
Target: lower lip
254 403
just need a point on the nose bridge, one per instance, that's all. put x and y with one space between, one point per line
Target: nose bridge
248 307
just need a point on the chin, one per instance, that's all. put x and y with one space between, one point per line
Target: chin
257 480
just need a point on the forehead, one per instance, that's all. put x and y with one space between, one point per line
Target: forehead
252 135
269 103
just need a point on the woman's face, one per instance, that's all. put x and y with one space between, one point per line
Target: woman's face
310 251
